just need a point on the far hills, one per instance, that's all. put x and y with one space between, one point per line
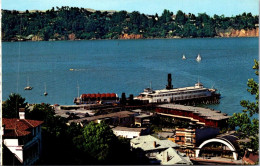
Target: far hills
72 23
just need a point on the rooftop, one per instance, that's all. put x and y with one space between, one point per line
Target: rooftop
121 114
119 128
173 157
149 142
143 116
19 127
206 112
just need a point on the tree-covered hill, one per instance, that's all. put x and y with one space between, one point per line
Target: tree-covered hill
78 23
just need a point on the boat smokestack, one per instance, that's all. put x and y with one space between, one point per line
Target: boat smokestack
169 86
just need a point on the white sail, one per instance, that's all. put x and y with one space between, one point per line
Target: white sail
45 92
183 57
198 59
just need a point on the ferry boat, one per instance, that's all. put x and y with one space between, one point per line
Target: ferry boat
171 94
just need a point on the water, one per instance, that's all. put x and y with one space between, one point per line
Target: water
108 66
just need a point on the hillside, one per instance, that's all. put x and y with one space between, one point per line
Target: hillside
71 23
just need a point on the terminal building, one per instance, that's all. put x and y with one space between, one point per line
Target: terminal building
196 115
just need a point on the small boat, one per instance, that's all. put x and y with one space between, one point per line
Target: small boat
183 57
28 87
198 59
45 93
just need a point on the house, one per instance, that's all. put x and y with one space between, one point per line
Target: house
151 146
173 157
128 132
159 151
143 120
22 140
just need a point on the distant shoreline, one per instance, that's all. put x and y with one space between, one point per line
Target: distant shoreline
134 39
68 23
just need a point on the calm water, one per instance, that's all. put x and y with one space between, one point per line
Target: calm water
107 66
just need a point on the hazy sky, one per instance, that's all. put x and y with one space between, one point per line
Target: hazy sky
211 7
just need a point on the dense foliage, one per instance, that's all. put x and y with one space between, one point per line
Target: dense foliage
73 144
247 122
10 107
78 23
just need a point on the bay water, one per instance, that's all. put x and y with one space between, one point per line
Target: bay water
116 66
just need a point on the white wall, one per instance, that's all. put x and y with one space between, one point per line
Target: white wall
13 146
126 134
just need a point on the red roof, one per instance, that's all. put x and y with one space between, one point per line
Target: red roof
103 95
18 127
93 96
113 95
108 95
96 95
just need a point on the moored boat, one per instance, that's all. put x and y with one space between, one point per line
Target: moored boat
28 87
198 59
45 92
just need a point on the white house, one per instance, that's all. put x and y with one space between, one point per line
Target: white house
22 138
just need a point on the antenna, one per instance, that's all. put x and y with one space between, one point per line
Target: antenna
78 87
19 55
213 86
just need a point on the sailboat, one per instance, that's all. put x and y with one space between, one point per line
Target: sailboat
45 93
28 87
183 57
198 59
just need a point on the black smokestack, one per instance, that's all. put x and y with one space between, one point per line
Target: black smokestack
123 99
169 86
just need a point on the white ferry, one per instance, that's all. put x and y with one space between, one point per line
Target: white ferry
171 94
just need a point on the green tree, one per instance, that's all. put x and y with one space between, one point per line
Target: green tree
180 17
247 122
166 16
11 106
99 140
41 112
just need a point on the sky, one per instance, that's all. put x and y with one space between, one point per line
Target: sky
211 7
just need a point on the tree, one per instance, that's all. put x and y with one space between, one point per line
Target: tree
247 122
41 112
11 106
101 146
180 17
166 16
98 140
